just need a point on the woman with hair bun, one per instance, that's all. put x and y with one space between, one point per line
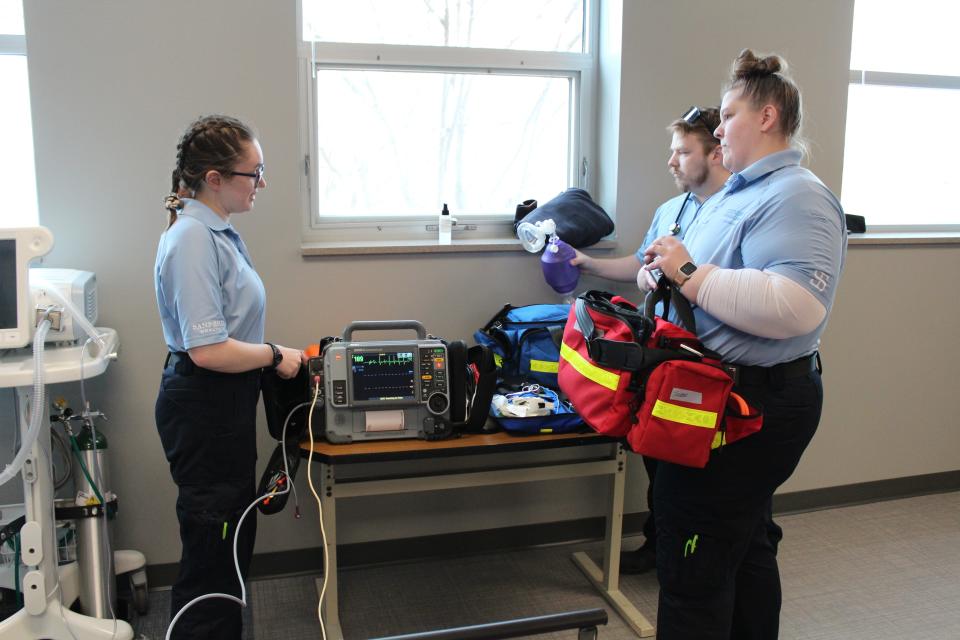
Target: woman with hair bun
761 262
212 304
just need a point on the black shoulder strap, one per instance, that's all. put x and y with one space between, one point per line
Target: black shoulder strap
556 334
667 293
456 368
478 407
584 321
607 353
500 315
470 398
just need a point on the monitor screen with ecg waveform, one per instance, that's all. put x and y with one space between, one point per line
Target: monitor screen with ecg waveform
383 375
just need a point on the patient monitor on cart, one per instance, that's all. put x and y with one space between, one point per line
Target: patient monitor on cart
27 293
18 247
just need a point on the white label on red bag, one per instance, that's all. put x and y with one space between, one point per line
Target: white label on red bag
686 395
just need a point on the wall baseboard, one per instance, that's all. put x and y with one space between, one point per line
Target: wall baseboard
851 494
566 531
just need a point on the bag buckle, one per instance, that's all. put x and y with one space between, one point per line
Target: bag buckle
732 370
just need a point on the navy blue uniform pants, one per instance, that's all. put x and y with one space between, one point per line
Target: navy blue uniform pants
207 424
716 539
649 525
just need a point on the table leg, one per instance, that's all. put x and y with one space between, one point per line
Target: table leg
607 581
614 530
328 502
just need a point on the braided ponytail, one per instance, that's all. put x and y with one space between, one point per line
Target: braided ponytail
172 203
211 143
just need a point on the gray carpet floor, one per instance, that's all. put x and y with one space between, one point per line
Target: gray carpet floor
876 571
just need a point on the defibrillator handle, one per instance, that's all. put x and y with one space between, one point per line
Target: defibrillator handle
384 325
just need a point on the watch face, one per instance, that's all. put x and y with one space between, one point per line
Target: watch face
688 268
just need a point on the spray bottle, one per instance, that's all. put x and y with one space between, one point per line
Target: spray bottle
555 261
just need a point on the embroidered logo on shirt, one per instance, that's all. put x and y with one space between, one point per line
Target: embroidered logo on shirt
208 326
820 281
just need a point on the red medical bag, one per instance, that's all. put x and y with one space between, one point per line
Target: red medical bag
630 373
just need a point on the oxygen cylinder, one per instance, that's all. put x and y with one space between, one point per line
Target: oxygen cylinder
94 534
555 261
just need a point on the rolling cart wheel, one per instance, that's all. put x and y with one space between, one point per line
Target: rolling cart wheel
138 592
587 633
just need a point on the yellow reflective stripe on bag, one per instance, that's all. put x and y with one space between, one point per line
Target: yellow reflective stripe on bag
498 360
544 366
684 415
718 440
588 370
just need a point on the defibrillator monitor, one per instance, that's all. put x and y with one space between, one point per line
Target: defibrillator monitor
18 247
378 389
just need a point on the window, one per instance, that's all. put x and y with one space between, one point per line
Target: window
902 137
16 162
412 104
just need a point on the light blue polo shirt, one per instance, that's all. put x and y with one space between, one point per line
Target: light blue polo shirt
207 288
666 215
775 216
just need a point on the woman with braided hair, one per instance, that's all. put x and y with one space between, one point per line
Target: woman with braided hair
761 262
211 304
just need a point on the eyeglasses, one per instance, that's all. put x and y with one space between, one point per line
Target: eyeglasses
257 175
693 114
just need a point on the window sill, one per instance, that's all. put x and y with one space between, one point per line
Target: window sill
384 247
905 238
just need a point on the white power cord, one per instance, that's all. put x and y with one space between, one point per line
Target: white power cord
323 531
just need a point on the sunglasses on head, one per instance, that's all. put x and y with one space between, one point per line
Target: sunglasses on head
693 114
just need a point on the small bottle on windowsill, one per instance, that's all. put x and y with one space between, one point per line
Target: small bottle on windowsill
446 226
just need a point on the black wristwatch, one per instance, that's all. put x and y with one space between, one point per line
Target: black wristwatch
686 270
277 356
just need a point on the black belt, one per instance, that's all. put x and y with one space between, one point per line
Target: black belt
181 363
778 373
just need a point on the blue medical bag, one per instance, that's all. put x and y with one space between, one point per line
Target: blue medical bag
526 342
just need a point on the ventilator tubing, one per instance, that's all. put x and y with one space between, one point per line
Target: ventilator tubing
78 316
37 404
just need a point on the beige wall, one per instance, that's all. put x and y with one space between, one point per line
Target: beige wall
113 84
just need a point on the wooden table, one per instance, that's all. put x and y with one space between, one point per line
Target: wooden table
497 472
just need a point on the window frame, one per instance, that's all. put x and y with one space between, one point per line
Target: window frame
867 77
13 45
581 68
